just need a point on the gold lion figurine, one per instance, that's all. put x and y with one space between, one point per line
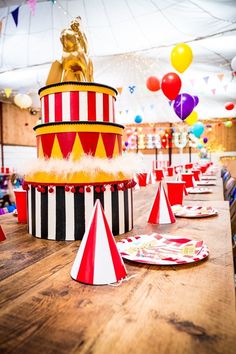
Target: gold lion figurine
75 64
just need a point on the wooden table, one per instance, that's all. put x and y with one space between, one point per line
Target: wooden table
217 192
170 309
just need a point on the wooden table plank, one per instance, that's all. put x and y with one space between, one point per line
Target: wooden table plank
173 309
27 250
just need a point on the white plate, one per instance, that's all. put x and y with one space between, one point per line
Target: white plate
199 190
162 249
206 183
196 211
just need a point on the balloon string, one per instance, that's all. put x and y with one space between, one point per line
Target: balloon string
123 280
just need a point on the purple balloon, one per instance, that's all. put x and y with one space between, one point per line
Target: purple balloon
196 100
126 143
183 105
205 140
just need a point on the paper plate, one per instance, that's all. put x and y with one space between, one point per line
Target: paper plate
198 190
209 178
206 183
187 211
162 249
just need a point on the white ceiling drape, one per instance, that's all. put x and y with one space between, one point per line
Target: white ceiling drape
129 40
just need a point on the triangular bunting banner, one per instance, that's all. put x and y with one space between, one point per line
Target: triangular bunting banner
98 260
119 89
213 91
7 92
132 88
32 5
192 81
109 143
47 141
206 79
15 15
220 76
0 27
225 87
66 142
89 142
161 212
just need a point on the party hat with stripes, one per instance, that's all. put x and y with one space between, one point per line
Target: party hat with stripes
2 234
161 212
98 260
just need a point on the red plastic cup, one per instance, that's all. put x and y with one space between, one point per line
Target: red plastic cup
21 205
170 171
203 168
196 174
2 169
188 166
175 191
142 179
159 174
188 179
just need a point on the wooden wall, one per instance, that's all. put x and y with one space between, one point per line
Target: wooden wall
18 130
17 125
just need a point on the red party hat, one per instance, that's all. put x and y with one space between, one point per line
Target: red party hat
161 212
98 260
2 234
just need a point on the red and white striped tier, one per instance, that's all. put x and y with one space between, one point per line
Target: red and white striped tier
92 103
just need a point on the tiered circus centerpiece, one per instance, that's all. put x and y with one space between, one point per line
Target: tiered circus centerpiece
79 150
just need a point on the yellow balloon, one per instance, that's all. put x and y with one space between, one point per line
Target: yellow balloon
181 57
192 118
201 141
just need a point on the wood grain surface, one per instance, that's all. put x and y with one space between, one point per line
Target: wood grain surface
169 309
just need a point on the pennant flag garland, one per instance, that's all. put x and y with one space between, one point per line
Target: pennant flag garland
161 212
220 76
213 91
192 82
8 91
119 89
0 27
206 79
32 4
225 87
98 261
132 88
15 14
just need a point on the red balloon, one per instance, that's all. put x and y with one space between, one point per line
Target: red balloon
229 106
171 85
153 84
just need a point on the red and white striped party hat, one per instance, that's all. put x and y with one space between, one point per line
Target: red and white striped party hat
98 260
2 234
161 212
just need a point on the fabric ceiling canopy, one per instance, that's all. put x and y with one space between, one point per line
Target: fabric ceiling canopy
129 40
